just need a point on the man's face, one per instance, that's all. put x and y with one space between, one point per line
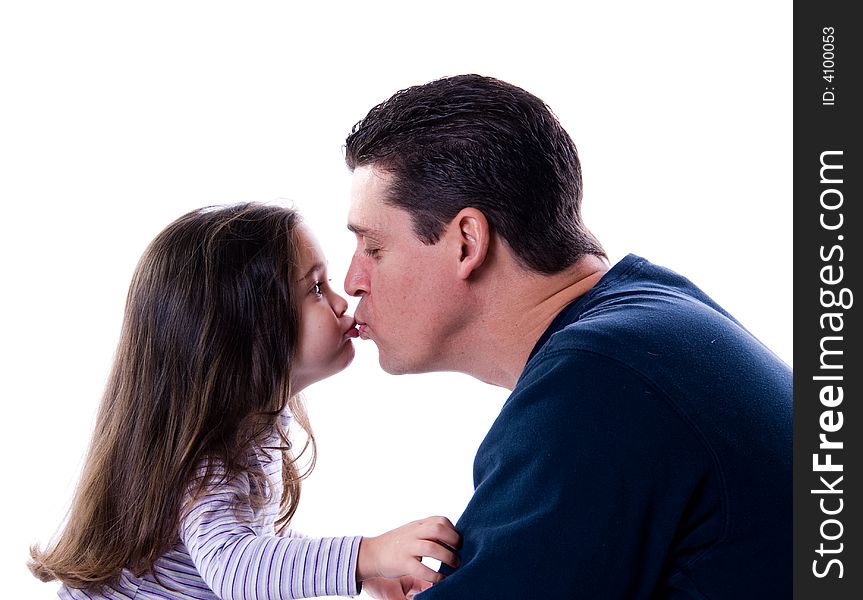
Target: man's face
409 304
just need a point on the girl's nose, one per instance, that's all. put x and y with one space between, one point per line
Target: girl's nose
339 304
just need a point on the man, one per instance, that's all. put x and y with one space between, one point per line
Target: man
645 449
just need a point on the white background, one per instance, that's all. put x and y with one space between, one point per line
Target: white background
115 118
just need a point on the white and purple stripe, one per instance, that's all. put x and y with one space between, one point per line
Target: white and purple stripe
234 553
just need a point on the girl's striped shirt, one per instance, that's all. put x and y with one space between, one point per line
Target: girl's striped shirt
234 553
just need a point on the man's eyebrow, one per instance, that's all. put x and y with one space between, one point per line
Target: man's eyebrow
364 231
359 229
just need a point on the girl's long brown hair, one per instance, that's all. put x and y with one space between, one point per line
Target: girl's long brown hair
201 372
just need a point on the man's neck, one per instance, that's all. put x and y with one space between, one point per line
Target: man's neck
518 310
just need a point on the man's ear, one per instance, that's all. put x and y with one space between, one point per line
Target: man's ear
473 238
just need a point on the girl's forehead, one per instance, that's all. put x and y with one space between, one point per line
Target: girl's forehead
311 255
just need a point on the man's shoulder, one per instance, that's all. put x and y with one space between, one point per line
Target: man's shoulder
649 324
641 310
636 291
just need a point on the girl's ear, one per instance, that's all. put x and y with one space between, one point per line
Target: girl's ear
473 238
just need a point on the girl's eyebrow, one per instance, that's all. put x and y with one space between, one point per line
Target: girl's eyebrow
318 266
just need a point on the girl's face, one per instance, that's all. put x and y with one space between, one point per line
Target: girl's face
325 346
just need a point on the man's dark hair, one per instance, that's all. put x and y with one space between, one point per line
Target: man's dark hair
474 141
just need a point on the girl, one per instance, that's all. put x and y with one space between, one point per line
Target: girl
190 483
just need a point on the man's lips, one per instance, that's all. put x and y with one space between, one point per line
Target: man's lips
361 330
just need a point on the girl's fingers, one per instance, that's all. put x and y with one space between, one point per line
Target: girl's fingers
420 571
441 529
437 552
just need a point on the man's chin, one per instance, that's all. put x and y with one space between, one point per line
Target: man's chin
393 365
404 365
392 369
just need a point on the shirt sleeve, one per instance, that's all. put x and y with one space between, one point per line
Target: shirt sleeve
579 489
292 533
238 563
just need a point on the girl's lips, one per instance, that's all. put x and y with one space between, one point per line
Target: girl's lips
351 332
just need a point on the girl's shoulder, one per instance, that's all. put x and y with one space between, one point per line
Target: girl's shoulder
264 455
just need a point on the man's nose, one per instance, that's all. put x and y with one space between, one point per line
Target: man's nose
356 281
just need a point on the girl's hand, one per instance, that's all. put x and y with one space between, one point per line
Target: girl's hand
403 588
400 551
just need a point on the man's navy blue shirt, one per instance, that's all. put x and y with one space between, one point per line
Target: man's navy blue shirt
645 452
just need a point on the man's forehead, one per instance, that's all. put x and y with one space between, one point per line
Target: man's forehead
367 218
369 214
368 184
